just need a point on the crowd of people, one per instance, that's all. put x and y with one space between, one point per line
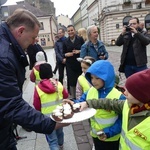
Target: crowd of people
91 81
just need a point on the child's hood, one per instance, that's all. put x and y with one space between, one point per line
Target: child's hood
104 70
47 86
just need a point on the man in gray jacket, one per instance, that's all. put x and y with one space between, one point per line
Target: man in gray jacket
134 41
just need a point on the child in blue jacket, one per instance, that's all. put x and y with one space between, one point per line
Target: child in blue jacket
101 75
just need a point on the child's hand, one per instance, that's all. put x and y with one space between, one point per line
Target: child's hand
84 105
68 101
101 135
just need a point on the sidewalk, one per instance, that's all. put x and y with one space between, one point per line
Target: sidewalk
77 135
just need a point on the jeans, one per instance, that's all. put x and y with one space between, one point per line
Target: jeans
129 70
55 139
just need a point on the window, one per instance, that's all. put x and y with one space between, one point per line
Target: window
42 26
127 2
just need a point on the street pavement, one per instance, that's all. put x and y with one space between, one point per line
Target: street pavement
77 135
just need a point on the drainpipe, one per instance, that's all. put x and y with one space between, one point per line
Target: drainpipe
51 30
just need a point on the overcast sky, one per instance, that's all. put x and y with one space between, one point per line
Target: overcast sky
65 7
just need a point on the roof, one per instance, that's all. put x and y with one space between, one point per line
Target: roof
37 12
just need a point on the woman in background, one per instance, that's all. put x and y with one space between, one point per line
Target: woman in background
71 50
93 47
82 33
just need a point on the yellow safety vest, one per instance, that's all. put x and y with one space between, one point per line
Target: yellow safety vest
137 138
50 101
37 76
84 83
103 118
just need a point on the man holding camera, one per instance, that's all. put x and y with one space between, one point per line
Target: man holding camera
134 41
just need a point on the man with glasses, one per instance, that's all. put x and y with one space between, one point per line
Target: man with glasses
134 41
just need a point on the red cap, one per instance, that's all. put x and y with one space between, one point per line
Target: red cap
138 85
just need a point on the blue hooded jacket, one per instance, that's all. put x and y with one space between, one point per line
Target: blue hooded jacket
104 70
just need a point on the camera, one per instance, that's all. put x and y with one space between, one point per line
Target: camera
128 28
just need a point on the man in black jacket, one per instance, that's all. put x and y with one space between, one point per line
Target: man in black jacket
16 34
134 41
59 54
32 51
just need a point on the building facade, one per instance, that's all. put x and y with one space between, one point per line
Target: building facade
111 15
114 14
63 20
48 21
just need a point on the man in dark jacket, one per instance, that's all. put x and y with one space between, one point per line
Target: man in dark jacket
134 41
32 51
16 34
59 54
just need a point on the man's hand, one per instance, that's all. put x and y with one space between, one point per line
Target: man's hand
123 30
69 54
133 30
75 51
64 61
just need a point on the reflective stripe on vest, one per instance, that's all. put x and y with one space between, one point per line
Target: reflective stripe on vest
37 76
129 143
84 83
98 122
137 138
50 101
107 120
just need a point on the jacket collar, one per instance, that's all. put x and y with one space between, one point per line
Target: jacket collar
19 52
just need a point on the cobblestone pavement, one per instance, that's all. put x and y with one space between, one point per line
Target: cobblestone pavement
77 135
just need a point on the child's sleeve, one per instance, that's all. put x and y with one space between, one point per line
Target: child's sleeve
79 90
108 104
32 76
65 93
82 98
115 128
36 101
